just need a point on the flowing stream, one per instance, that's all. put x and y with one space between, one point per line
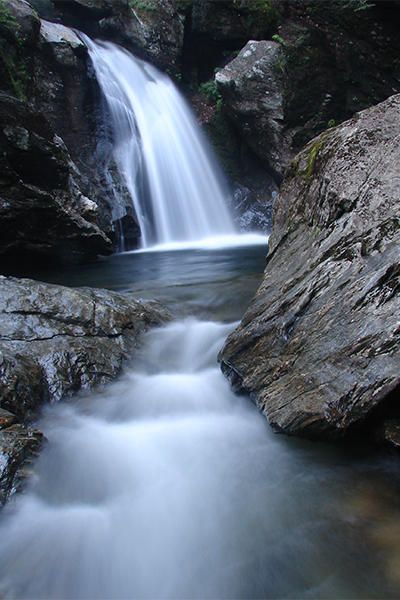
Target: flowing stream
167 485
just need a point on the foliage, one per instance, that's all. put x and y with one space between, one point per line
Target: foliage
12 61
278 40
209 90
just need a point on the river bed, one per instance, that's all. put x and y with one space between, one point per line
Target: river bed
167 485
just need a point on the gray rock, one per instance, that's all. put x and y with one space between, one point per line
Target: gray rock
154 29
318 348
252 88
19 446
249 214
56 340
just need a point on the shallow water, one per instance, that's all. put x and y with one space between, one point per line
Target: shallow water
167 485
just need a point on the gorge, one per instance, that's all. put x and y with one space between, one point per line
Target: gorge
131 467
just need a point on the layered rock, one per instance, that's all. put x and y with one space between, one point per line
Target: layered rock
318 348
55 341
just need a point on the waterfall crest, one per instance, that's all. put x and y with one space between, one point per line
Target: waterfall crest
177 189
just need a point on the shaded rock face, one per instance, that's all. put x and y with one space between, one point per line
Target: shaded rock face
55 341
330 60
249 213
252 88
153 29
48 65
39 218
318 348
215 30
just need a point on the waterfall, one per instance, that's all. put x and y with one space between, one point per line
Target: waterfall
177 189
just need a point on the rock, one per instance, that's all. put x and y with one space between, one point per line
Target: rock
252 88
216 30
152 29
330 60
39 213
19 446
250 214
56 340
318 348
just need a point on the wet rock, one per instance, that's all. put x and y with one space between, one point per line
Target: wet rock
19 446
249 213
56 340
318 348
39 212
151 29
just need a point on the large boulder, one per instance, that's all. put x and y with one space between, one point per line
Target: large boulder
319 347
252 88
55 341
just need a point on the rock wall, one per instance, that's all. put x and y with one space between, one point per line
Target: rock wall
318 348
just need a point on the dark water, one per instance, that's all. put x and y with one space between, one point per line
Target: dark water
166 485
217 283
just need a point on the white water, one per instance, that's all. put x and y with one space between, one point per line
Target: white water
176 186
144 491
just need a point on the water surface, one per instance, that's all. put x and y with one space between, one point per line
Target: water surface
167 485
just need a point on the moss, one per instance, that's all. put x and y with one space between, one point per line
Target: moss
140 5
13 64
314 151
209 90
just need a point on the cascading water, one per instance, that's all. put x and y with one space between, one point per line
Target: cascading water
177 189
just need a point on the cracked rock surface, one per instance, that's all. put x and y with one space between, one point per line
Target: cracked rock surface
319 347
55 341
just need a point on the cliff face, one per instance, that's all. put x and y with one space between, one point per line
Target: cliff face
318 348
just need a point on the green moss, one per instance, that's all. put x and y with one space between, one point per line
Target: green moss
314 151
276 38
13 63
140 5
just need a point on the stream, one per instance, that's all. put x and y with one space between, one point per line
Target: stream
167 485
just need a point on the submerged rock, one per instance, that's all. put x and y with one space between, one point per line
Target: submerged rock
55 341
318 348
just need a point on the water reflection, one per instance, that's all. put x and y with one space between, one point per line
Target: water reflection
216 284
